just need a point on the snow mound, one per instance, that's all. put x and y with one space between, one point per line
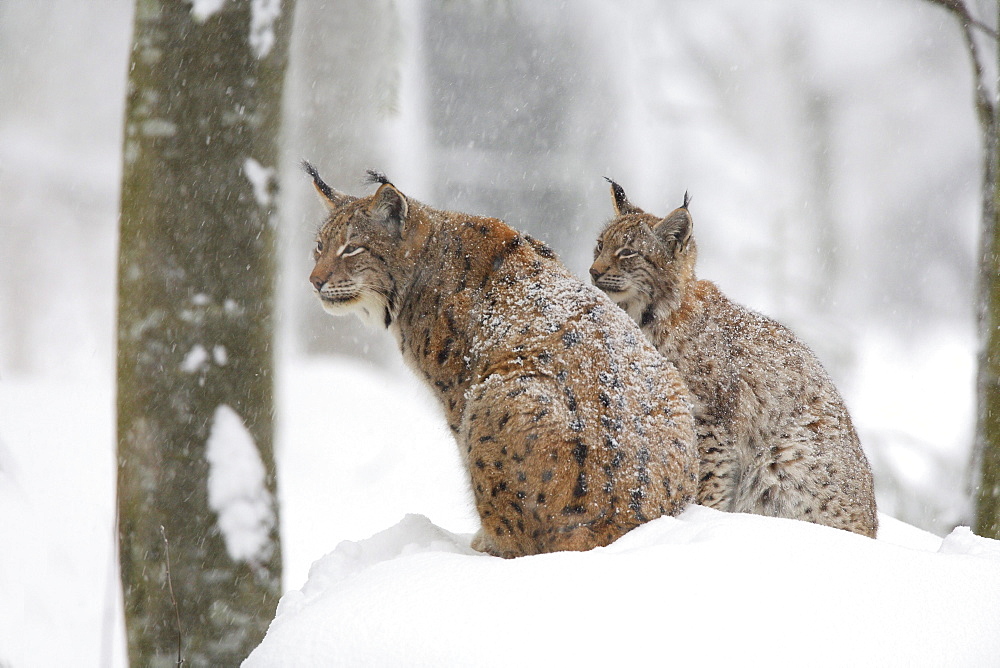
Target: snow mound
706 587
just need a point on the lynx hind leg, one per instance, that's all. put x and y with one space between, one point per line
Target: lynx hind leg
802 480
718 472
530 471
552 471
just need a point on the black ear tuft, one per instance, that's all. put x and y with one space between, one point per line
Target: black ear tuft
375 176
331 198
318 181
687 200
622 205
616 191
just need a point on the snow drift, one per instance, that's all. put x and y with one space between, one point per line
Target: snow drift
706 587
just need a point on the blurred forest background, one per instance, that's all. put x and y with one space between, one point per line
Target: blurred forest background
830 148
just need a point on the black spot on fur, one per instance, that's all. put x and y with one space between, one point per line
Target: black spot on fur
581 485
611 424
647 316
540 247
635 505
571 338
445 351
580 452
570 399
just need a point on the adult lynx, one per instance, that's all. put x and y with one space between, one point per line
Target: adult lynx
774 434
573 429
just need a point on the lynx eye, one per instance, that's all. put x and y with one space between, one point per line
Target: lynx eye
625 253
600 245
319 246
350 249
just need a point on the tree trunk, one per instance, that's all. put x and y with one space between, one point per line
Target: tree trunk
987 446
195 368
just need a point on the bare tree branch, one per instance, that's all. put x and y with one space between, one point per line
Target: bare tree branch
958 8
173 599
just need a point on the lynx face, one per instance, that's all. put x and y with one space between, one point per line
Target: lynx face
621 266
355 252
642 261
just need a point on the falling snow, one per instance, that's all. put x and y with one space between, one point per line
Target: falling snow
667 96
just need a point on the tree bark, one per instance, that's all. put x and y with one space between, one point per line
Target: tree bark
195 329
987 445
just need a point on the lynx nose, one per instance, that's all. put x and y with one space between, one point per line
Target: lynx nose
595 274
318 280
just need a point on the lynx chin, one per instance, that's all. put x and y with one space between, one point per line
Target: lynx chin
572 427
774 435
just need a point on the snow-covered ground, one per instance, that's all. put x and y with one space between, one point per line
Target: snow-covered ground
364 457
706 588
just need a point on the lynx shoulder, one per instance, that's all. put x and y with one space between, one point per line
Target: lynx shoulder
573 429
774 435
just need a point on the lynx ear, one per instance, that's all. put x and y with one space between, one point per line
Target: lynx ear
622 205
389 207
675 230
330 197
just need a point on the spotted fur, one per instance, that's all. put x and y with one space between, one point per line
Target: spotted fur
774 434
573 429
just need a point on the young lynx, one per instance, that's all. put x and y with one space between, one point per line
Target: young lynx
774 435
573 428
